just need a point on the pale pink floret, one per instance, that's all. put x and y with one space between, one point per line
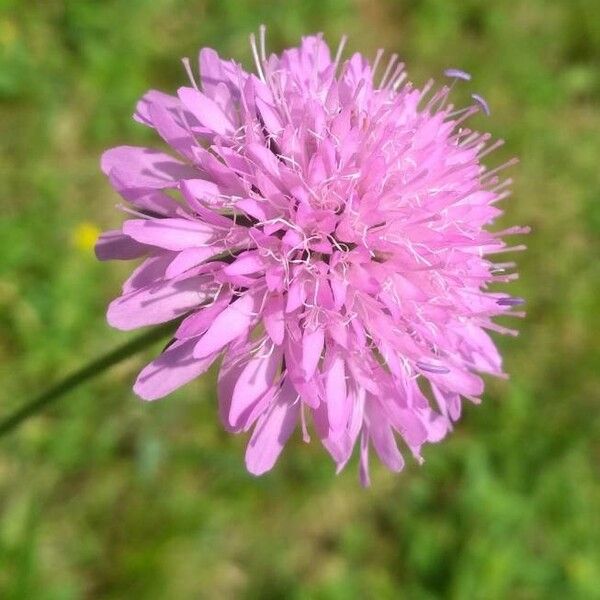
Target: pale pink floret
322 228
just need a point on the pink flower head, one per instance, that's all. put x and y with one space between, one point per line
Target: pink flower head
320 225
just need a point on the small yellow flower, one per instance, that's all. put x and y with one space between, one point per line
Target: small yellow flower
84 236
8 33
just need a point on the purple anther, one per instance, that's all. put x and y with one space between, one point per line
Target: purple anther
482 103
510 301
439 369
457 74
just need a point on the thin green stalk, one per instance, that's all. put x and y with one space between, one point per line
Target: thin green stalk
84 374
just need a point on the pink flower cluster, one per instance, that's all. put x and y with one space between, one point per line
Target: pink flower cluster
322 227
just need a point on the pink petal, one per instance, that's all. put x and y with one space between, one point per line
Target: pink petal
205 209
246 263
382 437
142 113
114 245
175 367
385 445
312 346
437 425
171 234
255 379
270 116
234 321
339 445
482 350
189 258
142 169
339 289
201 189
338 407
264 159
159 302
214 71
272 432
197 323
150 272
274 318
175 132
449 402
296 296
206 110
365 478
154 203
461 382
252 208
405 421
228 376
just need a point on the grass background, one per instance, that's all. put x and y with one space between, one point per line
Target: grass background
103 497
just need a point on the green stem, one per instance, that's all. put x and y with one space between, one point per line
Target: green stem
84 374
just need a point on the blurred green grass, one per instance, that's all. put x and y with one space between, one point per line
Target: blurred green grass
103 497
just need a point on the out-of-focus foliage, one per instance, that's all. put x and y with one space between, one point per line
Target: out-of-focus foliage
103 497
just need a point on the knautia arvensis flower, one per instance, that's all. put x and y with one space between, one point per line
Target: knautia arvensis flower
321 225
